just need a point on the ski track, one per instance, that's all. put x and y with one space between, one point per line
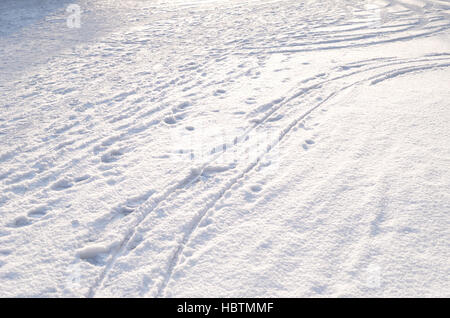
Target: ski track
75 150
177 255
229 183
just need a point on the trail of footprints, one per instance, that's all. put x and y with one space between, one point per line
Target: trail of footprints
101 257
111 156
35 214
61 130
106 157
254 189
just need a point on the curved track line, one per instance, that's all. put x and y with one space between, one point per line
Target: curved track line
146 208
200 216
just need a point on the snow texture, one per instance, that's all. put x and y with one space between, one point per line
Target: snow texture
198 148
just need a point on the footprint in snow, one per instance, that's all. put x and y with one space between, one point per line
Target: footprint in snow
250 193
173 119
184 105
111 156
255 188
38 212
170 120
219 92
308 142
62 185
20 221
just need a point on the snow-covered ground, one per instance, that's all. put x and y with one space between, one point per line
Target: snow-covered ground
173 148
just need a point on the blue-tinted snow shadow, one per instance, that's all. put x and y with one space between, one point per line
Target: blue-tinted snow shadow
15 15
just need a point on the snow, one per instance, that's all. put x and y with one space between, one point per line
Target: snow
225 148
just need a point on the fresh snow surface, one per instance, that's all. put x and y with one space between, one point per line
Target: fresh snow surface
225 148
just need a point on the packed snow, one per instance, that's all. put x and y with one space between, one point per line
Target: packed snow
206 148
